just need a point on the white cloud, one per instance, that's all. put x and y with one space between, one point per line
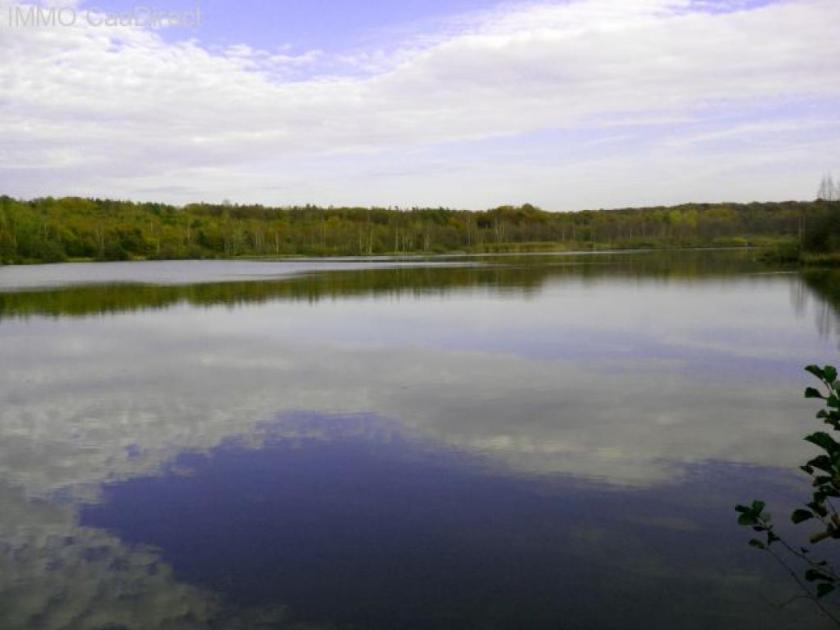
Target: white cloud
120 111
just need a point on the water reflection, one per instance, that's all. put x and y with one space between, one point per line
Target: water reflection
76 290
57 574
565 438
349 521
824 283
88 401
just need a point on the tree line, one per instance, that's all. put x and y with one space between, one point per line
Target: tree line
56 229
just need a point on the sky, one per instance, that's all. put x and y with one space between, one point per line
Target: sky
568 105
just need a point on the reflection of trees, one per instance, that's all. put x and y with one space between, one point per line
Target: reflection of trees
824 284
519 275
799 298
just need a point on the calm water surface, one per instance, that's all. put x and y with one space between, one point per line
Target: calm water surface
513 442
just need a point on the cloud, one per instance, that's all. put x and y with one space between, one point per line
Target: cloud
119 110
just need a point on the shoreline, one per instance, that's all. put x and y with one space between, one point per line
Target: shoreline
418 255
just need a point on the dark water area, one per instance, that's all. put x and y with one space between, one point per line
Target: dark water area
483 442
359 526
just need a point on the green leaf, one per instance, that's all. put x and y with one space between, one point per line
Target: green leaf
813 575
824 441
815 370
824 589
812 392
818 507
755 542
822 462
830 373
758 507
800 516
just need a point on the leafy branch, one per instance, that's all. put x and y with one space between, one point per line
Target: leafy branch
819 579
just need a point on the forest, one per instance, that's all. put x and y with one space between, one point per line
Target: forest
58 229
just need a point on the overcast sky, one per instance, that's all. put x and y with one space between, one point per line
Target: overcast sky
461 103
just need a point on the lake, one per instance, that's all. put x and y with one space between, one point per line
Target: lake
476 442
